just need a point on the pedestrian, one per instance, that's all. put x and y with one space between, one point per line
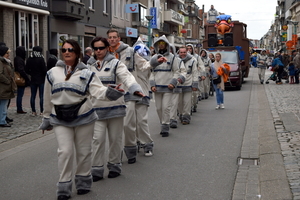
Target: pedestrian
87 54
253 59
36 68
190 84
110 114
212 15
7 84
262 65
19 63
278 67
296 61
167 73
52 60
292 72
126 55
219 71
69 87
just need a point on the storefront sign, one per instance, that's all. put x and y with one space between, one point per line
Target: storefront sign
41 4
131 32
132 8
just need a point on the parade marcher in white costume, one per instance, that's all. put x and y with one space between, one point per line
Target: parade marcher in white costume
207 64
134 63
190 84
197 95
68 109
110 114
168 71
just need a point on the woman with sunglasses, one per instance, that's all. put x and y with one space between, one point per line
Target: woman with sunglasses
68 109
110 114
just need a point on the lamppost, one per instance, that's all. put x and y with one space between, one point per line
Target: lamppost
149 18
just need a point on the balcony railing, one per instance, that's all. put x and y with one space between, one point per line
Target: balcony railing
174 17
67 9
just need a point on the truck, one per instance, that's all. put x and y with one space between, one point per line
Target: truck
228 35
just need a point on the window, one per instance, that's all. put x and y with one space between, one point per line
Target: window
115 8
122 7
91 4
105 6
27 30
143 13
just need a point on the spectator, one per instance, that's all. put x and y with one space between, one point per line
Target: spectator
278 65
296 61
87 54
292 71
36 68
7 84
19 63
52 60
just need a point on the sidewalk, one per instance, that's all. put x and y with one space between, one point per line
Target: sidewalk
23 123
269 164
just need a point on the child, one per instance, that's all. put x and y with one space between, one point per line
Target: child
292 72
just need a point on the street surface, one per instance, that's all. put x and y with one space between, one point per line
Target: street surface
197 161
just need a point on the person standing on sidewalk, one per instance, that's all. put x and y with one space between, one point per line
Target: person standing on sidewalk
277 63
69 87
7 84
19 63
296 61
262 65
36 68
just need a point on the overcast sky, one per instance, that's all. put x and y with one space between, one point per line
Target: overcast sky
257 14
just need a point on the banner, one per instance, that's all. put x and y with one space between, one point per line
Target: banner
153 12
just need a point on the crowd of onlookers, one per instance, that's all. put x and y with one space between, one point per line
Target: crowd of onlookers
284 66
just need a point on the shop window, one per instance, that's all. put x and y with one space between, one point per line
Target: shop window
91 4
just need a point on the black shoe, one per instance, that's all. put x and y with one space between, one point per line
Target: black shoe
5 125
8 119
63 197
112 174
131 160
82 192
21 112
164 134
97 178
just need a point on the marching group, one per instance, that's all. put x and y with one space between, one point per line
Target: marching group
105 94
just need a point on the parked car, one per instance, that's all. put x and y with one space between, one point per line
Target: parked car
231 57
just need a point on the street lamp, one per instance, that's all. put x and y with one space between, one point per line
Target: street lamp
149 18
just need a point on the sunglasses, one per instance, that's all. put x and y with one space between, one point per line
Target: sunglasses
64 50
161 42
98 48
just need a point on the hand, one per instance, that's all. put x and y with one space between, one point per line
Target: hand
117 87
139 94
171 87
203 77
194 89
49 129
153 89
162 59
179 80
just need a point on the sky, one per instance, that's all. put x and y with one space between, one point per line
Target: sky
257 14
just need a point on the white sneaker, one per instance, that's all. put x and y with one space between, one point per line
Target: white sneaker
148 153
222 106
218 107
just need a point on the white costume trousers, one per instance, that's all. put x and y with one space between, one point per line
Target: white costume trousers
70 139
114 129
185 103
174 106
163 106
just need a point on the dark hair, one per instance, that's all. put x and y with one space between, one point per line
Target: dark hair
97 39
77 51
113 31
53 52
